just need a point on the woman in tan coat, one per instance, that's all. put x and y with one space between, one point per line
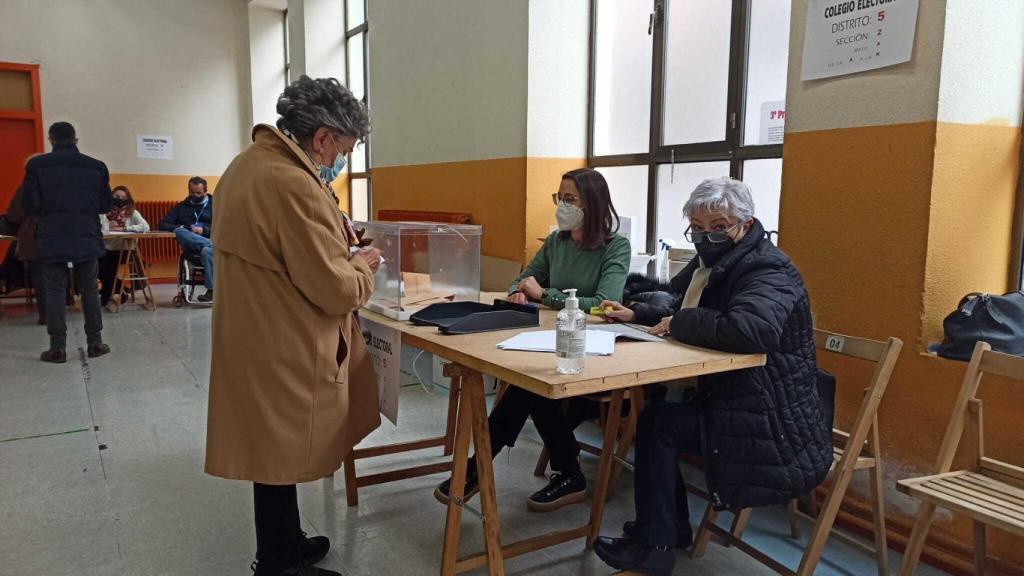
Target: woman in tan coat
292 389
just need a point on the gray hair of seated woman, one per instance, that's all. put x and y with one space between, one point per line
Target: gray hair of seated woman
307 104
721 195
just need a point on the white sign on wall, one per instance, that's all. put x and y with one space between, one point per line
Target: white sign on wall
773 122
385 345
154 147
847 36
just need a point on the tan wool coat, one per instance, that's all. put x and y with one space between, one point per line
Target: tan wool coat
292 386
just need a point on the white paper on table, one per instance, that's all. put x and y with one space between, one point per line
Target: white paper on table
628 331
599 342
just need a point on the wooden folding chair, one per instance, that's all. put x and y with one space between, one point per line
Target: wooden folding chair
856 450
990 492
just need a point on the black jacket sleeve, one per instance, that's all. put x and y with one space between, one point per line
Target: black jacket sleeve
105 197
30 193
753 320
170 223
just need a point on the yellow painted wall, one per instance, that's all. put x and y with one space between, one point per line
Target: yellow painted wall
890 226
543 176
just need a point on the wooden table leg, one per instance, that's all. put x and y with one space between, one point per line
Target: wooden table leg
453 520
485 472
123 271
636 405
351 484
140 275
604 468
454 394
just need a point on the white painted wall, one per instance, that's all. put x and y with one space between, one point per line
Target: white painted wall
903 93
117 68
982 62
559 63
267 61
448 80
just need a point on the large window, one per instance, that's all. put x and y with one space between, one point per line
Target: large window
356 30
681 91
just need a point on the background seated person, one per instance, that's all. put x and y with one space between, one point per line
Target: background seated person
761 431
585 253
123 217
190 221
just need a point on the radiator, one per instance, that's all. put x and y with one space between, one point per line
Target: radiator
157 250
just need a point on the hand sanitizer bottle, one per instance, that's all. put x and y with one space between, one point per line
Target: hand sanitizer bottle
570 336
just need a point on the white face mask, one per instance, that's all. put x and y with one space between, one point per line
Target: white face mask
569 217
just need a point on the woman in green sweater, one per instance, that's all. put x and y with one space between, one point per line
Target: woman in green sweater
587 254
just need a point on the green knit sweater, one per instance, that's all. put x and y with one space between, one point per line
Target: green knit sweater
597 275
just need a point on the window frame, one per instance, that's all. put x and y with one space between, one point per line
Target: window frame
730 149
364 29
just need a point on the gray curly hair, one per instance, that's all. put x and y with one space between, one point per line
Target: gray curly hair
721 195
308 104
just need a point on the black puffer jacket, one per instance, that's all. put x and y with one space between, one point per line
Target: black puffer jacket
764 435
67 191
185 214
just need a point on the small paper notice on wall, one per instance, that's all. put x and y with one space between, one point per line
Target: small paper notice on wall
154 147
773 122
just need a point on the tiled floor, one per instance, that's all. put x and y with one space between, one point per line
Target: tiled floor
101 474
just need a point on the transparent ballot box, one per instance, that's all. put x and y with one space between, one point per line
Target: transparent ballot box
424 263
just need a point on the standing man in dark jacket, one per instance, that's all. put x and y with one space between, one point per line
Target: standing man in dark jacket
761 431
66 191
190 221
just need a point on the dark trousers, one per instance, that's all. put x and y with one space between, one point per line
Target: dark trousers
664 430
35 270
277 525
55 277
108 275
554 424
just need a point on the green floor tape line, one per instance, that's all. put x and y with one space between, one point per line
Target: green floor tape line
45 435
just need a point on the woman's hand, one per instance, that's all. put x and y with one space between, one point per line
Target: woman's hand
661 328
531 288
619 312
518 298
371 256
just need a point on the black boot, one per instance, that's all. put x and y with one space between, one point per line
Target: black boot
443 490
627 555
684 534
565 488
313 550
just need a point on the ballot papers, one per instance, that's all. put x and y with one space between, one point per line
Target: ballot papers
628 331
599 342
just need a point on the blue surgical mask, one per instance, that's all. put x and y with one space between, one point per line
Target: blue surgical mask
329 173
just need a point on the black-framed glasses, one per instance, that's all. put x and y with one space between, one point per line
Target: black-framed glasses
566 199
714 236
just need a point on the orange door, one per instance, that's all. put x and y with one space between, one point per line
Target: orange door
21 126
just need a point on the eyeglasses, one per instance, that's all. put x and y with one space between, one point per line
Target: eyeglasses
567 199
714 236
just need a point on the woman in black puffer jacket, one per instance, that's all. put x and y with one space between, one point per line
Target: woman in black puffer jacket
761 431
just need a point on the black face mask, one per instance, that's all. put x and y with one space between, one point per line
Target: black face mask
120 202
196 200
711 252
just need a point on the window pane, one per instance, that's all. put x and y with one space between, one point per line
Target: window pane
674 191
765 180
358 158
696 70
360 200
628 187
767 61
356 13
354 50
622 77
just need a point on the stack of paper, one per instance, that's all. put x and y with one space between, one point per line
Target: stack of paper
599 342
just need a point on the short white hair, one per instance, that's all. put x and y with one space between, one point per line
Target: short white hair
721 195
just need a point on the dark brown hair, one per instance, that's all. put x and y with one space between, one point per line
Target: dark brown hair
130 206
600 220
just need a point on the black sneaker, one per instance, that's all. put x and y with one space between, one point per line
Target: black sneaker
443 490
313 550
205 298
684 536
564 489
97 350
300 569
627 555
54 356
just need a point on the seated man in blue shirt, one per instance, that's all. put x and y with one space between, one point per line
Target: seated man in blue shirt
190 221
